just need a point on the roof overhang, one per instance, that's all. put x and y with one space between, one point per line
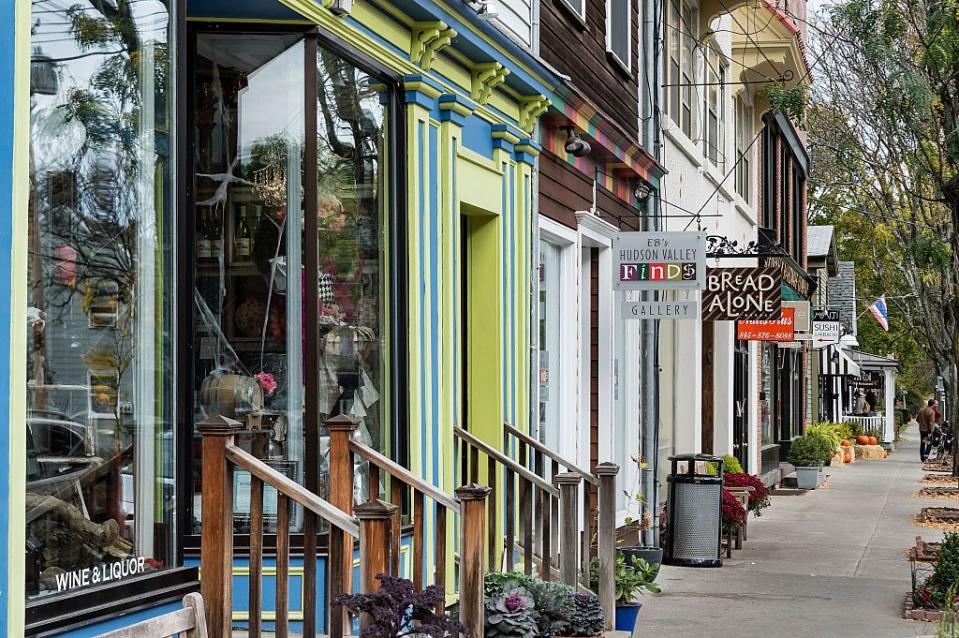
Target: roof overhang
766 42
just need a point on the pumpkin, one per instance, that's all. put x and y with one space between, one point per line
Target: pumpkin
847 458
862 439
873 441
844 443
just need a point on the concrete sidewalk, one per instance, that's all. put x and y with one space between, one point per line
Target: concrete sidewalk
825 563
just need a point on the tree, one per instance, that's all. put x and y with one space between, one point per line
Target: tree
884 128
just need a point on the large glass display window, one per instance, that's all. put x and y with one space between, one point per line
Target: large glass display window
100 495
289 320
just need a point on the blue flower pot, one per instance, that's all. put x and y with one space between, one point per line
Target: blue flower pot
626 616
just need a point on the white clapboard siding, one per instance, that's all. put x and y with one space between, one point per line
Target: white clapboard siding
515 18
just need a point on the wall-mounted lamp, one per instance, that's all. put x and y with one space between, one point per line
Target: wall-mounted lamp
341 7
485 9
575 145
642 192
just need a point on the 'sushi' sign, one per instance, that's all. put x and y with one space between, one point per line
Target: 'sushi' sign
742 293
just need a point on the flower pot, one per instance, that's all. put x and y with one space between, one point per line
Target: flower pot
626 616
652 555
807 478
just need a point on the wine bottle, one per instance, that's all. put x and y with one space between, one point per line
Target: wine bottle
241 239
216 234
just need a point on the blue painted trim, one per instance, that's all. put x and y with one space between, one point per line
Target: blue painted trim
435 301
421 140
476 45
504 221
8 56
511 255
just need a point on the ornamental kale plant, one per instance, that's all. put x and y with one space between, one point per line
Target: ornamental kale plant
394 608
587 617
552 601
511 615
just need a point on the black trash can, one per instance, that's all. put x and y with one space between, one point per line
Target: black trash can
694 526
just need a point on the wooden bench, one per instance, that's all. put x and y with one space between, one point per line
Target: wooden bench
742 495
189 621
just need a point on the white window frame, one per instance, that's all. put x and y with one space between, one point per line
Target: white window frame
627 63
744 121
580 12
715 74
682 27
567 240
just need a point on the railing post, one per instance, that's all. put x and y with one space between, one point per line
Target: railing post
606 539
472 557
340 494
568 482
216 540
376 522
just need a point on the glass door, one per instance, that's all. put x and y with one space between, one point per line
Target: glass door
248 170
550 363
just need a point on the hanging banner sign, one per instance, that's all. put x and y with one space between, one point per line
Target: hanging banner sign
792 274
659 261
802 309
660 310
734 294
826 328
782 329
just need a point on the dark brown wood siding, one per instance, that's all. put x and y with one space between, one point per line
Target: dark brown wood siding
581 54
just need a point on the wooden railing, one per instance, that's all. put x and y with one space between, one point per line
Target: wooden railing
547 513
405 488
220 458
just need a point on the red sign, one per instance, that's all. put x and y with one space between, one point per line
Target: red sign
781 330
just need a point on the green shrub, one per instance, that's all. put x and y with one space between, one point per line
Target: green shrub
808 451
730 465
945 576
834 433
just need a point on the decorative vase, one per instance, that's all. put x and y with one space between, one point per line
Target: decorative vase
652 555
807 478
626 616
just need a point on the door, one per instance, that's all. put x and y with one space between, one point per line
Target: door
741 393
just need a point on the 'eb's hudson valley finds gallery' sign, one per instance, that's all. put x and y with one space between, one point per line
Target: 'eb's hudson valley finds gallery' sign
752 294
659 261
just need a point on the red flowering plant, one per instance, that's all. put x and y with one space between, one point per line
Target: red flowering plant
733 513
758 498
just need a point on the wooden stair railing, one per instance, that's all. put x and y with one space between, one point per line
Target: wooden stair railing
544 463
405 487
220 458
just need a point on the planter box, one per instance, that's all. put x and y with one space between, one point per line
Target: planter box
652 555
808 478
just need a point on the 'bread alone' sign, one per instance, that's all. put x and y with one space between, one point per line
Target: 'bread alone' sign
749 294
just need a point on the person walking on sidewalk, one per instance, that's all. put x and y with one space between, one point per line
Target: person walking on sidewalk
926 419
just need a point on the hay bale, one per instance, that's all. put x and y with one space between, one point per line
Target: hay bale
870 452
837 457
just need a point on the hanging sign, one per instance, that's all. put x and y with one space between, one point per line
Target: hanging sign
660 310
782 329
734 294
659 261
826 328
802 309
792 274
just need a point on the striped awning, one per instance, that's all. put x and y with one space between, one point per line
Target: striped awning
835 362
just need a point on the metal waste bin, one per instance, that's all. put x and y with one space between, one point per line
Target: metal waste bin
694 527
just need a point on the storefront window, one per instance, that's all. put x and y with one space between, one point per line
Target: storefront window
100 454
250 248
767 395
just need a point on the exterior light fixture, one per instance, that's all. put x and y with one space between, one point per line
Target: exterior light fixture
485 9
575 145
341 7
642 192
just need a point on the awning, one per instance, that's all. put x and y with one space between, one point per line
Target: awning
833 361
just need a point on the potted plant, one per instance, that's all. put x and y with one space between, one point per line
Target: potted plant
629 536
807 454
396 610
758 498
586 621
632 576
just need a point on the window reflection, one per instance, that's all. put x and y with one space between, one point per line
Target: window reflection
99 429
